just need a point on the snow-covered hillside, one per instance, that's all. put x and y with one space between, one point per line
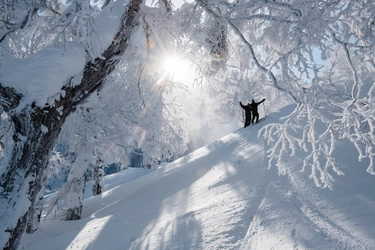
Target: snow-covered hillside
222 196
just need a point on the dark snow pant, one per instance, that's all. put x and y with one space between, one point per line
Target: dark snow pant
247 120
255 115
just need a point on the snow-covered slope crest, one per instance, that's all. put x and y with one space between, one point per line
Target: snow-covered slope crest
222 196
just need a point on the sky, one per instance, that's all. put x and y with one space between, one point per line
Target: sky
223 196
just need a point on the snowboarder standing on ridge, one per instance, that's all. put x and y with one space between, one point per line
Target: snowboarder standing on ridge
247 109
254 110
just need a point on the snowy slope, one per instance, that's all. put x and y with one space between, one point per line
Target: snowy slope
223 197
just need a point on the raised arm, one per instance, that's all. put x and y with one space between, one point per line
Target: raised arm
242 106
261 101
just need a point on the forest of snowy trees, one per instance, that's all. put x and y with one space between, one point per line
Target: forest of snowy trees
86 76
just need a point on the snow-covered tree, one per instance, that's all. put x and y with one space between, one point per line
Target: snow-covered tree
96 40
76 184
37 105
128 113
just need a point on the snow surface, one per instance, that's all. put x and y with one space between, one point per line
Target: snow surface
222 196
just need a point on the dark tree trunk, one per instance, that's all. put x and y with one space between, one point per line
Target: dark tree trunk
97 173
36 212
74 213
22 180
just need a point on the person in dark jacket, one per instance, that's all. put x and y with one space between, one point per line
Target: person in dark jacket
254 110
247 109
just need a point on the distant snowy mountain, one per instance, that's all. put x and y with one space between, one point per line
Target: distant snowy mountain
222 196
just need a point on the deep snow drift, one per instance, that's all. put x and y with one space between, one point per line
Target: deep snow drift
222 196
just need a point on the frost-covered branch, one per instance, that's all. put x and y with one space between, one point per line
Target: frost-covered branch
271 75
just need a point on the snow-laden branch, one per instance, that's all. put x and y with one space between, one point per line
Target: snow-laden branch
263 17
284 141
205 5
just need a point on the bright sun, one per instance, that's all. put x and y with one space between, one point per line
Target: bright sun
177 69
172 64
